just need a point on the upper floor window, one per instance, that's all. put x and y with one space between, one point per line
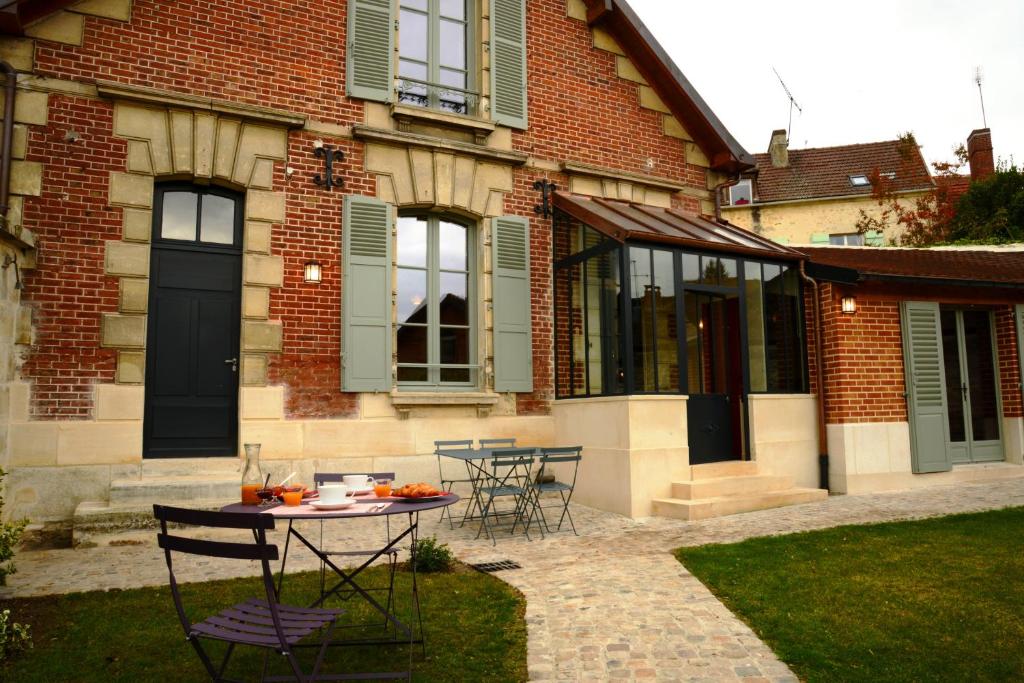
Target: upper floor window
434 40
859 180
741 193
435 288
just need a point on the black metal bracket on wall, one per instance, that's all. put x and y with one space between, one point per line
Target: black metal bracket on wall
329 155
545 188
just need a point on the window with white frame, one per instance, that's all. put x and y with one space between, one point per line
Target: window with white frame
859 180
742 193
434 68
846 239
435 341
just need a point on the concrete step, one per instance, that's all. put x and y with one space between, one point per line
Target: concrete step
728 486
176 467
100 523
720 506
726 468
177 489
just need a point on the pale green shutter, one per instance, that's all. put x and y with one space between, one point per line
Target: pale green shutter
370 49
1018 316
874 238
513 346
366 306
926 386
508 62
819 238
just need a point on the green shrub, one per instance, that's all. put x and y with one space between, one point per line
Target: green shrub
14 638
10 534
432 556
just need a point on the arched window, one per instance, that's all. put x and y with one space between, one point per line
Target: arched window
207 216
435 301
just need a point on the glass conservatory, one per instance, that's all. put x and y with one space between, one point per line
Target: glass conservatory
650 300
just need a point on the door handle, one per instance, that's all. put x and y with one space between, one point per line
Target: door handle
233 362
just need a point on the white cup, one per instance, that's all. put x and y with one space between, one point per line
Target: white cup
334 493
358 481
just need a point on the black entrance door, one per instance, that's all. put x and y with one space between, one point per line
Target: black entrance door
194 313
715 403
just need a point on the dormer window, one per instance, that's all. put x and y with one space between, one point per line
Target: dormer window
742 193
434 56
859 180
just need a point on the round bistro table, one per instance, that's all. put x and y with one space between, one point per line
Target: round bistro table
366 507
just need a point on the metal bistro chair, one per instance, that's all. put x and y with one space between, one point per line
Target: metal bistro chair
497 443
320 478
447 484
262 623
545 482
510 476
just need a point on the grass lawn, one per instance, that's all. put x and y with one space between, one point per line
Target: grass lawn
934 600
474 626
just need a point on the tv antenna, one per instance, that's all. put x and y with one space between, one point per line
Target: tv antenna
978 79
792 103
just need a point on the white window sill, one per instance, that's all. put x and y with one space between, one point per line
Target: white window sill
404 401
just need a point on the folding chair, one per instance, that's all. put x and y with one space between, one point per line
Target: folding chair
261 623
539 485
510 476
320 478
447 484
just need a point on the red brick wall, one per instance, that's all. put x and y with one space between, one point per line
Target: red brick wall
1009 362
288 55
864 353
68 291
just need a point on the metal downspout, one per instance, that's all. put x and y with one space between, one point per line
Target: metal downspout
819 362
734 180
10 85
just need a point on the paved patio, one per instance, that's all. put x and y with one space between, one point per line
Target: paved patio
610 604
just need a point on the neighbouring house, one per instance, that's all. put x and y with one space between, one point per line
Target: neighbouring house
815 196
349 229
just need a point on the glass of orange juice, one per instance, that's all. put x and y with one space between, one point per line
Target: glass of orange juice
292 498
382 488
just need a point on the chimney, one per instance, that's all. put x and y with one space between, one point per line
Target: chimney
778 148
979 154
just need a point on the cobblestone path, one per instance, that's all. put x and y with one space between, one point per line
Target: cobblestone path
610 604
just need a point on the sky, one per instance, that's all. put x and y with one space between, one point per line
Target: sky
861 71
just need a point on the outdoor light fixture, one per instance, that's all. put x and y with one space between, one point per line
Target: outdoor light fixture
849 305
314 272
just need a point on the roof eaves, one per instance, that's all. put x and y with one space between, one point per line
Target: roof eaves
627 19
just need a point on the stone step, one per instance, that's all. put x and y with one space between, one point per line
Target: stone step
727 486
726 468
720 506
174 490
177 467
990 471
99 523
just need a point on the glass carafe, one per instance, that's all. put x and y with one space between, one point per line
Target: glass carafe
252 475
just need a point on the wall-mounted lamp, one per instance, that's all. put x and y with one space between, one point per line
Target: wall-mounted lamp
849 305
314 272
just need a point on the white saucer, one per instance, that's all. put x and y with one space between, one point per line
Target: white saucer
320 505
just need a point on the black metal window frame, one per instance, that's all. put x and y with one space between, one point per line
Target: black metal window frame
682 288
200 191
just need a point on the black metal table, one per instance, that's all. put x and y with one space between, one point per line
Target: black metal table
348 578
475 460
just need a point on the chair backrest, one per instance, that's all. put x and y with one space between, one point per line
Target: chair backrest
261 551
497 443
560 454
512 457
334 477
452 445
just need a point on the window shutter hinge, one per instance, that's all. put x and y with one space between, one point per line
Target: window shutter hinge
396 24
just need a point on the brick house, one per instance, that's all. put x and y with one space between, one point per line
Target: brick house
346 230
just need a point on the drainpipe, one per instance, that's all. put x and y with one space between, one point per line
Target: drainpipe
733 180
8 134
820 369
